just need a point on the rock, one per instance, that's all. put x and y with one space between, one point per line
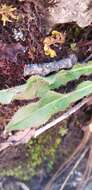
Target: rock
79 11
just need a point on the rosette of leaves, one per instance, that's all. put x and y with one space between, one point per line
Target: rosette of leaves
50 102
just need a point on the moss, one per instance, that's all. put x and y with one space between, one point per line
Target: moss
18 172
43 150
40 153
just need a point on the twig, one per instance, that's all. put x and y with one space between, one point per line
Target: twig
88 58
84 43
74 167
88 169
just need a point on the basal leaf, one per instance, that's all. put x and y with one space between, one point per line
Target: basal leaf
64 76
36 114
7 95
37 86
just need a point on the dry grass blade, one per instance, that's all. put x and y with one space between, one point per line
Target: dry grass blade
88 170
62 117
74 167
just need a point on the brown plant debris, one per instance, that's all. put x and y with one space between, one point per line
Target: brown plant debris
7 13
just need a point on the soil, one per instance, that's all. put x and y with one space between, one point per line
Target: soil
21 42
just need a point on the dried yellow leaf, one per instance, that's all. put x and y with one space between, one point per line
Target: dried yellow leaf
56 37
50 52
55 32
46 47
7 13
59 36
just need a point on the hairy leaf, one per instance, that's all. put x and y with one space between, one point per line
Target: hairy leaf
36 114
7 95
37 86
64 76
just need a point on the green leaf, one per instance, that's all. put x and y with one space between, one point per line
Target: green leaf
64 76
38 86
36 114
8 95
